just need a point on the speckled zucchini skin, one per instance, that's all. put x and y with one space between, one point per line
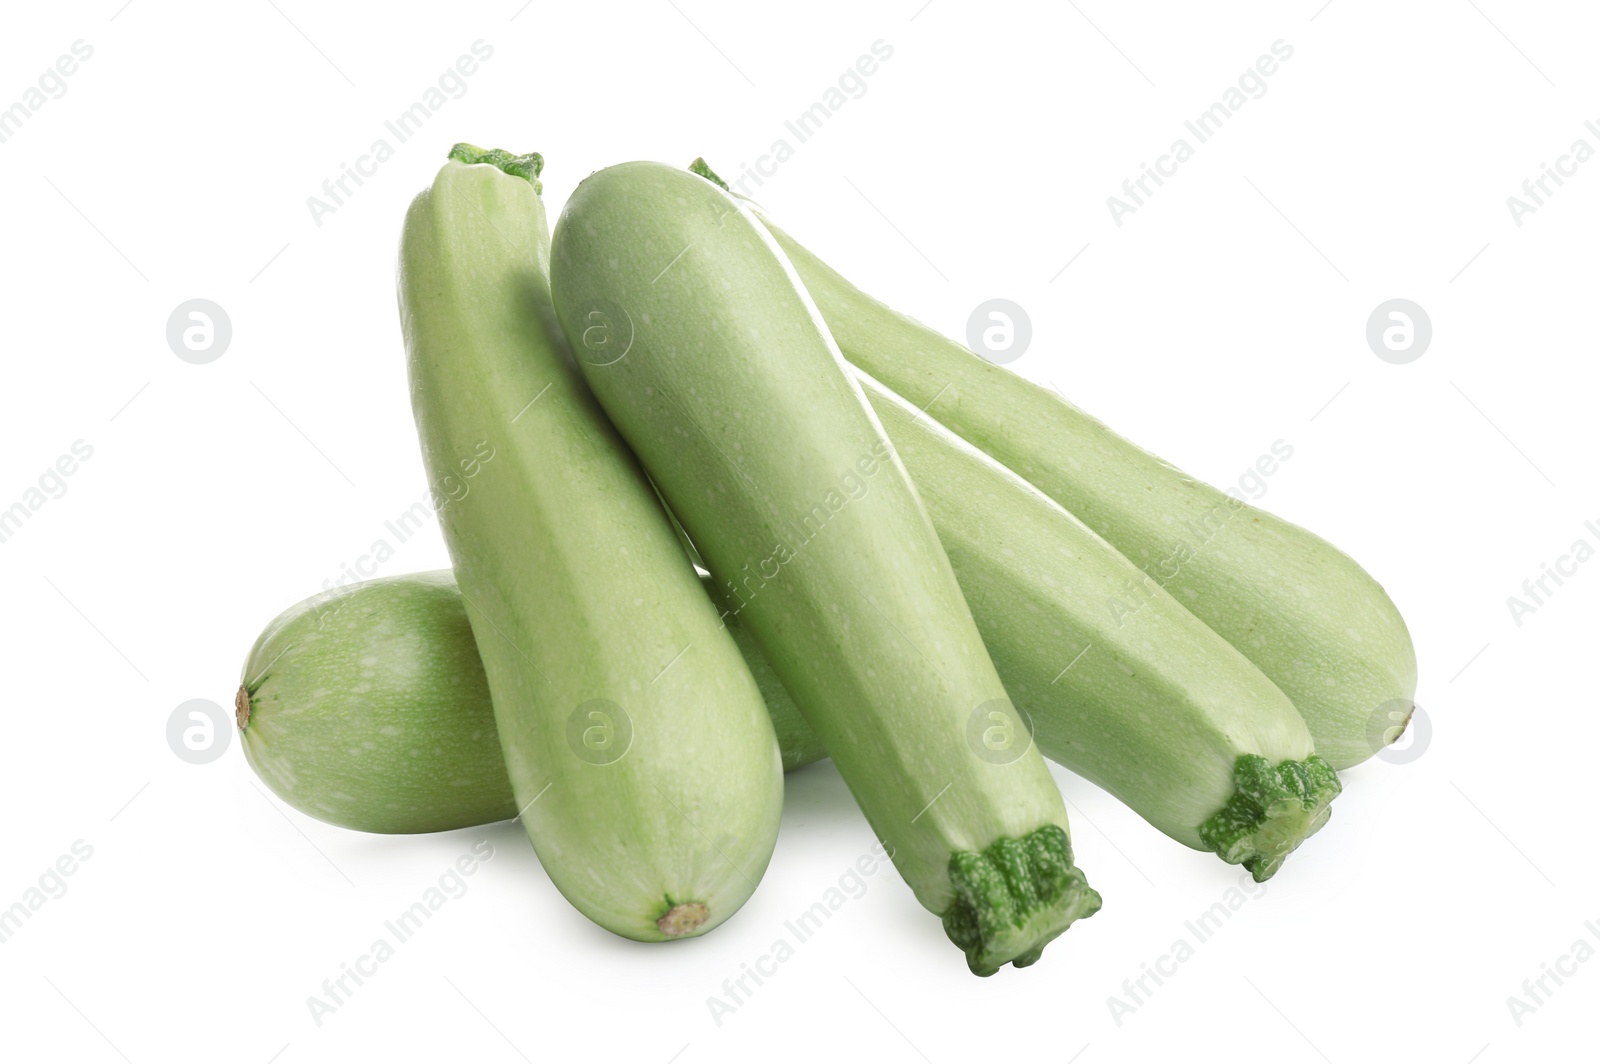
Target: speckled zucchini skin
368 708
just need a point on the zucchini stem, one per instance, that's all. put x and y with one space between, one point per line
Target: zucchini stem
701 167
1272 811
528 167
1014 897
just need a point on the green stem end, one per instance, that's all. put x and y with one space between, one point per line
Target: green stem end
1273 810
528 167
1014 897
699 167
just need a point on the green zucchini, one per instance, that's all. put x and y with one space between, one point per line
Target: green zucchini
1301 610
696 338
1156 708
1160 711
369 708
639 751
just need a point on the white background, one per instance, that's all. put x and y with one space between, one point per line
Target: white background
1226 314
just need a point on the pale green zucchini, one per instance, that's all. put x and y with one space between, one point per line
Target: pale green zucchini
368 708
1301 610
641 756
698 341
1155 707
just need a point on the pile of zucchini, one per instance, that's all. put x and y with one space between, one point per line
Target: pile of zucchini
740 516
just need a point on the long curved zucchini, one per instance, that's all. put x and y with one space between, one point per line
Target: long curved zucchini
1303 611
711 361
642 759
369 708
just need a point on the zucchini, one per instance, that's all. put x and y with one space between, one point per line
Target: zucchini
1160 711
696 338
369 709
638 748
1300 609
1157 709
354 708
